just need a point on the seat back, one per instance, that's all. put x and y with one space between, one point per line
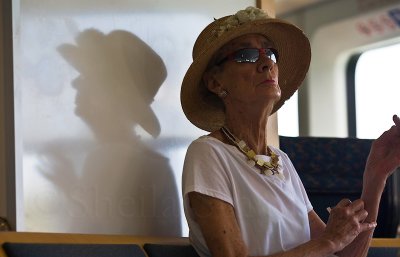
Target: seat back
169 250
68 250
31 244
332 169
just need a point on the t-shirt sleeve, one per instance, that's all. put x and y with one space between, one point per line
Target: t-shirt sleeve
205 172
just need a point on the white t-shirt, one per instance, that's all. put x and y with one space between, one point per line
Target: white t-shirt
272 213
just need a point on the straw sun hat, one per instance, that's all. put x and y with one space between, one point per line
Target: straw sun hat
202 107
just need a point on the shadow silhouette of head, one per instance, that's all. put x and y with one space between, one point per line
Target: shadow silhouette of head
119 77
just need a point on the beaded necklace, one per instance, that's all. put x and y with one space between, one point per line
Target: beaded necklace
267 168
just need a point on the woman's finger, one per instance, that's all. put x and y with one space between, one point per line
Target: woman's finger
396 120
361 215
357 205
343 203
367 226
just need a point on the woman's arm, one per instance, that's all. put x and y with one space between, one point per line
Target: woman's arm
383 159
221 231
218 224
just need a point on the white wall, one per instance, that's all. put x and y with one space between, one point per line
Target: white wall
100 132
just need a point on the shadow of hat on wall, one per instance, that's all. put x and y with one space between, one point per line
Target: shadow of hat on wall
119 78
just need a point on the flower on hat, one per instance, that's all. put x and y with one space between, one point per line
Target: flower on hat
249 14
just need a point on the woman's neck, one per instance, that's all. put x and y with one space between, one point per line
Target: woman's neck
251 127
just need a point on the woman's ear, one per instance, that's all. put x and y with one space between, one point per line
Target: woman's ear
211 82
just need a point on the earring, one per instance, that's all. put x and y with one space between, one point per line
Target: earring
223 94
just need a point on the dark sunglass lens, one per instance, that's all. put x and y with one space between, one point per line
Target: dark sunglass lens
271 54
246 55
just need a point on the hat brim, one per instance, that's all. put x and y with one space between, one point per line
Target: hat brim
205 110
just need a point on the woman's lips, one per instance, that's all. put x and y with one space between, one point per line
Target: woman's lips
268 82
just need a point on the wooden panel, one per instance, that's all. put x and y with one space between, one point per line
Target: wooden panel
268 6
385 242
7 174
2 119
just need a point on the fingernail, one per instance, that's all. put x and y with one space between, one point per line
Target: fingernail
373 224
329 209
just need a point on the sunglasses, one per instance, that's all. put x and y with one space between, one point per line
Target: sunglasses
251 55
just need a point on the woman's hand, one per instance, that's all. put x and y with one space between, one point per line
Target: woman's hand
384 156
346 222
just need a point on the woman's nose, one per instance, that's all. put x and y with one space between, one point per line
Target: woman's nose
265 63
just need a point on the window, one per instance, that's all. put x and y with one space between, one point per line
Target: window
376 91
288 118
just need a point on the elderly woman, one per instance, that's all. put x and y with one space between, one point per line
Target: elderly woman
243 197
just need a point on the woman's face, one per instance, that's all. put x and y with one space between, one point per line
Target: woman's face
248 83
